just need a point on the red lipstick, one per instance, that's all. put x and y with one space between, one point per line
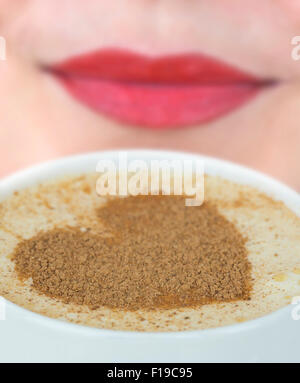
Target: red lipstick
156 92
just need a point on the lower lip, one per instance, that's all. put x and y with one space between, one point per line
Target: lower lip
159 106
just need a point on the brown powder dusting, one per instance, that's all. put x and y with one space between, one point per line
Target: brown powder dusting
161 254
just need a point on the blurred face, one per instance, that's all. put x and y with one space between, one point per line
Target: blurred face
209 76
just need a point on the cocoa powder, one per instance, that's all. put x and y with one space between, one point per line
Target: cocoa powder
161 254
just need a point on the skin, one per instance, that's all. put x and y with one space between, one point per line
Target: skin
40 121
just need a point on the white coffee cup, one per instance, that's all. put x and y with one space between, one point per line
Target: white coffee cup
30 337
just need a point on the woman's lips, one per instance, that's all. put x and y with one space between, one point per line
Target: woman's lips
156 92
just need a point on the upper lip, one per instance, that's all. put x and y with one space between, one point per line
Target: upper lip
188 68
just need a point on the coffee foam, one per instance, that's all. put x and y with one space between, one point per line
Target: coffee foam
273 233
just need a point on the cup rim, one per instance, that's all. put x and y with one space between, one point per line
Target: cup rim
265 183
